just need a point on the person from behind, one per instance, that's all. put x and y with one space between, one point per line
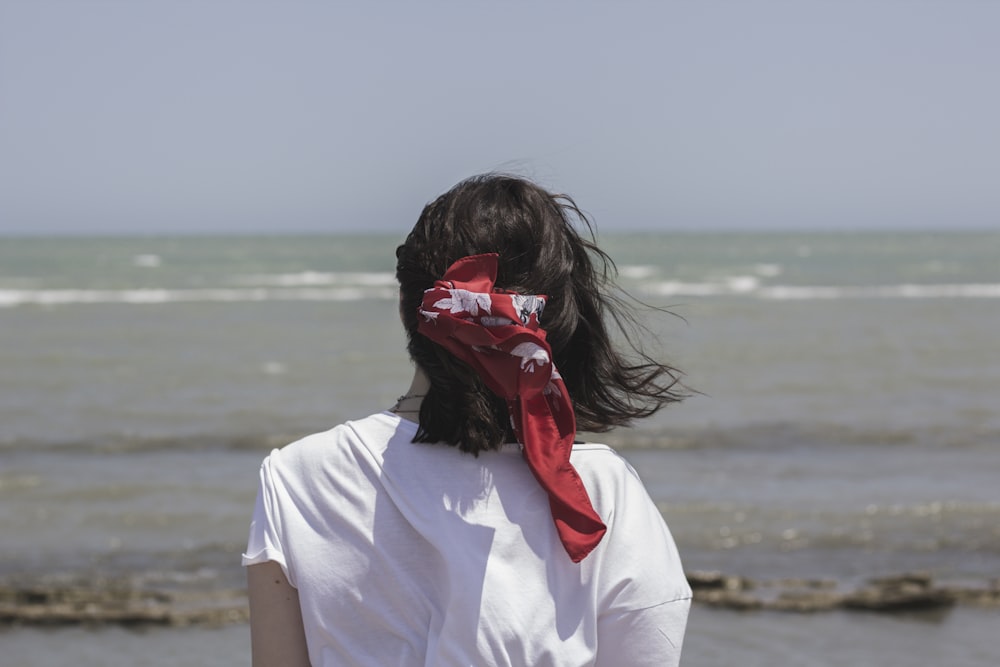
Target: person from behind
467 525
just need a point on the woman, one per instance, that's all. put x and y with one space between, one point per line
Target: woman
465 526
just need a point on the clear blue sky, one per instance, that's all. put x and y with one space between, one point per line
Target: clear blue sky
181 116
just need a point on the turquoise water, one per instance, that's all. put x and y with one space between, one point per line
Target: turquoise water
847 423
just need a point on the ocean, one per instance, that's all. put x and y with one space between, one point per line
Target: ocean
844 421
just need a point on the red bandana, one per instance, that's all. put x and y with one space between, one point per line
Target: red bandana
496 332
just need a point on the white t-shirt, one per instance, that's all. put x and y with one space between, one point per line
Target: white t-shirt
417 554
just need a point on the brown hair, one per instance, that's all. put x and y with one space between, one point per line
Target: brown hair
540 253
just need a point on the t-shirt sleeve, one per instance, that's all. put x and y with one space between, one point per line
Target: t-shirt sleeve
646 596
265 540
643 637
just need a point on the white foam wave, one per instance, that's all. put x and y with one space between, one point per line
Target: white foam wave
746 286
61 297
743 284
909 291
147 261
637 272
767 270
317 278
727 286
273 368
750 286
678 288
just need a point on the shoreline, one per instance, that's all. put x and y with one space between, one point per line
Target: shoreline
100 601
902 593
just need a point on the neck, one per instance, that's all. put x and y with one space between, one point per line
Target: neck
420 384
409 403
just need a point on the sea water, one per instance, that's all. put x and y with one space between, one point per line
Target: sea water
844 421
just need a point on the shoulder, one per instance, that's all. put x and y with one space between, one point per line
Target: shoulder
592 453
351 445
306 451
370 432
605 472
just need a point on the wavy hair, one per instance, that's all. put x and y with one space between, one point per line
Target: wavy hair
541 252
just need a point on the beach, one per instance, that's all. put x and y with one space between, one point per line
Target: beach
843 429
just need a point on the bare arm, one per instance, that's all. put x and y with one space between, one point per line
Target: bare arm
277 637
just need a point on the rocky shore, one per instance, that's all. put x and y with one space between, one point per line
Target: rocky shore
116 602
914 591
102 601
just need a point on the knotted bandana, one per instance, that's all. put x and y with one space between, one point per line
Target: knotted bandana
497 333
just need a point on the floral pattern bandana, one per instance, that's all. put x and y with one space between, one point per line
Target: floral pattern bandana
497 333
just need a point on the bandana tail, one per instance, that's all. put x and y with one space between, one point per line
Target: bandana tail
540 407
547 447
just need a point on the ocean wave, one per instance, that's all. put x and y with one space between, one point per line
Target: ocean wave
637 271
782 435
317 279
113 443
153 296
319 286
750 286
768 270
730 286
765 436
147 261
906 291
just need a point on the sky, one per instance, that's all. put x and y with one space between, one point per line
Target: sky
209 116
